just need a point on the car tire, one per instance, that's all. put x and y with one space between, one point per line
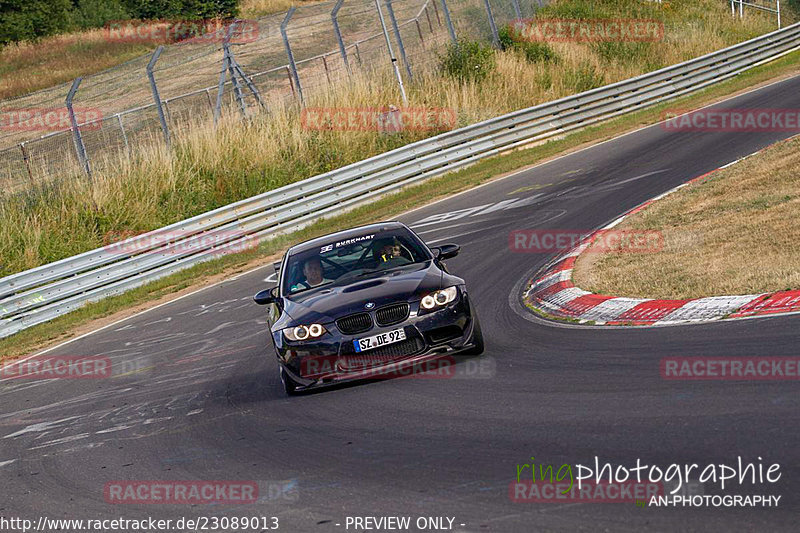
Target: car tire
477 337
289 385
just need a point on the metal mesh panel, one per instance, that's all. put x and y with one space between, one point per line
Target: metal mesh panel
116 108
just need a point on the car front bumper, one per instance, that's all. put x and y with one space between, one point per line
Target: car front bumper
430 339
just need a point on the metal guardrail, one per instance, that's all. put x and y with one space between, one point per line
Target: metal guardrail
43 293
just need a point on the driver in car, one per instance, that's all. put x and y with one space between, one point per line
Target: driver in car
387 254
312 270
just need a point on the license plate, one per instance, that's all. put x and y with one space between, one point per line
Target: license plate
381 339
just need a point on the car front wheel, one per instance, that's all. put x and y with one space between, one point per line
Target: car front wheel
289 385
477 337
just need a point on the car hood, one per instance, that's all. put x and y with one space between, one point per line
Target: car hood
326 304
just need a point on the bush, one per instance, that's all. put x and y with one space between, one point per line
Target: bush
583 78
468 60
25 20
534 52
96 13
28 20
181 9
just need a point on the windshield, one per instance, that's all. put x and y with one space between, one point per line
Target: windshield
347 260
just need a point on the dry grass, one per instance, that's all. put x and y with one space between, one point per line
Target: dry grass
735 233
249 9
209 168
27 67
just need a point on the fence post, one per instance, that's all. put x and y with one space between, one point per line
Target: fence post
288 47
439 20
342 49
327 72
156 97
80 149
26 159
428 16
221 88
399 38
210 102
517 9
778 9
237 88
492 25
122 129
449 21
248 82
419 31
391 52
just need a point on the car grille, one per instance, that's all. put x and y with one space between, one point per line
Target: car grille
352 324
392 314
383 355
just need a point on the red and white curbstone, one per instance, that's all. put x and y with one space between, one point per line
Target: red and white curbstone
553 293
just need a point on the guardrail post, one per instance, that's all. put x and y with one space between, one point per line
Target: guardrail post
391 52
156 97
399 38
80 149
492 25
449 21
292 65
338 33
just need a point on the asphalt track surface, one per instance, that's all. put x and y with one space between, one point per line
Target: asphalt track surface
202 400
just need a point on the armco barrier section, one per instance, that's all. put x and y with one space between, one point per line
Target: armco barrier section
43 293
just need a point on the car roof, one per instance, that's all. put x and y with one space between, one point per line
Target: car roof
345 234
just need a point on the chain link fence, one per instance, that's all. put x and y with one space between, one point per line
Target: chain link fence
246 67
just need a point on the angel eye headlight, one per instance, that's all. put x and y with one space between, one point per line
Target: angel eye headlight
303 332
428 302
439 298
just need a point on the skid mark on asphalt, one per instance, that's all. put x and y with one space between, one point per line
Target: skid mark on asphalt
484 209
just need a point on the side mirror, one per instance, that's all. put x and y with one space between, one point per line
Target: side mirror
266 297
277 266
446 251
